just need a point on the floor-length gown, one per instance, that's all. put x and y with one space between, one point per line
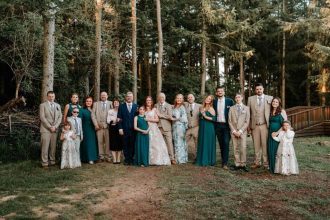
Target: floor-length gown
141 156
286 160
158 154
275 123
206 148
179 128
69 158
88 147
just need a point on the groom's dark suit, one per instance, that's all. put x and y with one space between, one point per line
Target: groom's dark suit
127 124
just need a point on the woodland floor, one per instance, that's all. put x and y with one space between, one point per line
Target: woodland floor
108 191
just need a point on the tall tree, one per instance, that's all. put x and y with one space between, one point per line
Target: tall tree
98 48
134 49
160 47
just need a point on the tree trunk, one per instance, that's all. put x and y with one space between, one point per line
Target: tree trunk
98 41
241 75
116 77
110 74
203 80
48 57
134 56
308 84
283 61
160 47
86 85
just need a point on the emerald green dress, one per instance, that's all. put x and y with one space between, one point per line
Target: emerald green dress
88 147
206 150
141 156
275 123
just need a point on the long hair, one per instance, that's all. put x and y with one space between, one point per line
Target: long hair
175 103
152 102
211 103
278 109
88 97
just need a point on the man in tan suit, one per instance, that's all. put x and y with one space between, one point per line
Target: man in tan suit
259 105
192 110
99 117
164 112
50 119
239 119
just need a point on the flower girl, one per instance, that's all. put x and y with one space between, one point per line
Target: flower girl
286 161
69 159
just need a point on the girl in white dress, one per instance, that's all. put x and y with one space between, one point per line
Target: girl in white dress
69 158
158 154
286 161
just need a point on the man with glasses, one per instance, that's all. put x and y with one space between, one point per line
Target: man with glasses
76 126
50 119
99 118
192 110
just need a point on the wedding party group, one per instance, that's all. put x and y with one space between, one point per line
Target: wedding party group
160 133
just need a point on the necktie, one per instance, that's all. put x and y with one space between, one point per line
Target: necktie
129 107
239 109
76 126
191 110
104 106
52 106
260 100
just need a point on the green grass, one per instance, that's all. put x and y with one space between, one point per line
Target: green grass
188 192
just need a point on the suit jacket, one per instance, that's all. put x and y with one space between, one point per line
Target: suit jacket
165 116
71 121
252 104
228 103
126 118
239 122
99 117
49 118
193 117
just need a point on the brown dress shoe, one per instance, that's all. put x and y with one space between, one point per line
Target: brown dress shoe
173 162
255 166
225 167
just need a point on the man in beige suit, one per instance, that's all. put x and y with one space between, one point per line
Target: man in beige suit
192 110
239 119
50 119
99 117
259 105
164 112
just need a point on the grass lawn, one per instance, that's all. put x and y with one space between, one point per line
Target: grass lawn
107 191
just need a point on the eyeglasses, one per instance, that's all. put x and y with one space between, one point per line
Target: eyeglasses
75 112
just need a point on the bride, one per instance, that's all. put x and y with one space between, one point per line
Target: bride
158 154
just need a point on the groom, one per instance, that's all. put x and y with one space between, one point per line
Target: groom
126 113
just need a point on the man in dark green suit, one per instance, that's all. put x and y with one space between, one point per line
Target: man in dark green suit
221 105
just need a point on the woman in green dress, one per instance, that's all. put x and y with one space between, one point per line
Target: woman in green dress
88 147
206 151
141 157
276 118
69 107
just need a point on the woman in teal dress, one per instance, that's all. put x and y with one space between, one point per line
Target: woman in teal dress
206 150
69 107
141 157
88 147
276 118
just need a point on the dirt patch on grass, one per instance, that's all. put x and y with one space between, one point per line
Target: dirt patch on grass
133 196
7 198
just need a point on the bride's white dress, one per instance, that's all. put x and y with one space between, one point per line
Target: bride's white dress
158 154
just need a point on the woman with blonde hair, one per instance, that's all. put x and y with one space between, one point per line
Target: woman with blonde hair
179 127
206 151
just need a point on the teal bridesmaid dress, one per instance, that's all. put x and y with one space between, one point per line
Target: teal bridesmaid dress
206 150
88 147
141 156
275 123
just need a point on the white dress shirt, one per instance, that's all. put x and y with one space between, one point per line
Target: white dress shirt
221 110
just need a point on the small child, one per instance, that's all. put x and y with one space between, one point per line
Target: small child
286 161
68 159
141 157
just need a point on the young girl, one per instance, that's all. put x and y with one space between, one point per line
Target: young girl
68 148
141 157
286 161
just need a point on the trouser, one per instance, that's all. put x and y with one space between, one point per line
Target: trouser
259 135
103 143
48 148
192 141
239 149
223 134
128 146
169 142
